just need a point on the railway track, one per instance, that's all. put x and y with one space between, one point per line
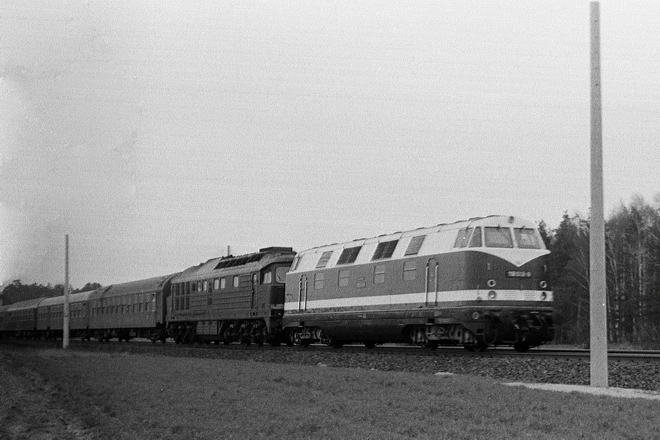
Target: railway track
627 369
395 349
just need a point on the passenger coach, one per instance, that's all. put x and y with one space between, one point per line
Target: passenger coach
130 310
476 283
50 316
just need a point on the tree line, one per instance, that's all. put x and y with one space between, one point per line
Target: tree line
16 291
632 242
632 246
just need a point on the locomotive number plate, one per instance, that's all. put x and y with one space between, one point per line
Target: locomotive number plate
518 274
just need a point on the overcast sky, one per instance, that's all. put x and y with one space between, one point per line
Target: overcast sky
157 133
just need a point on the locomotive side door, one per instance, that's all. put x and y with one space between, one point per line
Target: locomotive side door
302 294
431 283
254 288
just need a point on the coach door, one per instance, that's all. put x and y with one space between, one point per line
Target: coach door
431 283
302 294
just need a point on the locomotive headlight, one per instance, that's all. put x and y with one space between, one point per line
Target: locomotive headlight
543 284
543 296
491 283
492 294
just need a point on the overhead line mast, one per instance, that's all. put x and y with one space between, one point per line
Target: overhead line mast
65 324
597 274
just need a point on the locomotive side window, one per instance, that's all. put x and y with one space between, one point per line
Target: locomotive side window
462 238
296 261
384 250
409 271
344 276
475 241
526 238
498 237
323 261
379 274
280 274
415 245
349 255
319 277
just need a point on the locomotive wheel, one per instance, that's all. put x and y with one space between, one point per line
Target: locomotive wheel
478 347
521 346
431 345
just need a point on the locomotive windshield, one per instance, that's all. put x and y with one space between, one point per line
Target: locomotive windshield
498 237
526 238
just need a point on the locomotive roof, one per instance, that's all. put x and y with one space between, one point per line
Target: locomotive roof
416 242
230 265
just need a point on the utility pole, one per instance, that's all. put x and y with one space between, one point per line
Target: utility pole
65 324
597 271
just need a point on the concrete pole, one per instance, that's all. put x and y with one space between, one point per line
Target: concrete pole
597 273
65 324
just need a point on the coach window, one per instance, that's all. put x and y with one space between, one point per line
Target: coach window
223 283
199 286
205 286
409 271
475 241
268 277
497 237
319 277
344 276
379 274
216 284
236 281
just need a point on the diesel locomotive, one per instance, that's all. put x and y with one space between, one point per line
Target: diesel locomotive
475 283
